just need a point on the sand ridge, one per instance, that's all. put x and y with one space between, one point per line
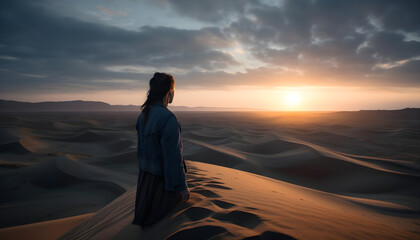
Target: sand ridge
229 208
301 175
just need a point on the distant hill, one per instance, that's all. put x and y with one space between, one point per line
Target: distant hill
79 105
405 113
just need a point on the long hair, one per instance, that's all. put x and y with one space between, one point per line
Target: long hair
159 86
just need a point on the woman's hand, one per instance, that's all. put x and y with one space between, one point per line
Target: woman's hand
185 195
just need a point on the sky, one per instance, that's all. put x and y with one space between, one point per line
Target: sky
292 55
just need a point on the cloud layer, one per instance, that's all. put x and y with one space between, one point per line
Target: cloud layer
281 43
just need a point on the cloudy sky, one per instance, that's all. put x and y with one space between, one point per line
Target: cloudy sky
278 55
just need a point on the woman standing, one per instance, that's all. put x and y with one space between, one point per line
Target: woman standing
161 182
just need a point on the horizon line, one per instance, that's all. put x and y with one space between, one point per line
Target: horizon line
226 109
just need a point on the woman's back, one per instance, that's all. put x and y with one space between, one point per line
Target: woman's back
161 183
160 146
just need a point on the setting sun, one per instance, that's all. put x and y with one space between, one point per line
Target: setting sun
292 99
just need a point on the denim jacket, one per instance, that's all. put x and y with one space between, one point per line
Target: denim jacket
159 148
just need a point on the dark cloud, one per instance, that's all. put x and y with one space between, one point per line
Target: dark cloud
406 75
390 46
52 49
343 39
262 76
213 11
333 42
399 15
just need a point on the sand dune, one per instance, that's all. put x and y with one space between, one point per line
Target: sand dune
241 205
252 176
73 187
124 162
121 145
84 136
46 230
308 165
13 147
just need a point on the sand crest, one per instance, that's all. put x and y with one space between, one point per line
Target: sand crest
230 204
252 176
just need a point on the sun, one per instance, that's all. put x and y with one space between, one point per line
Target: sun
292 99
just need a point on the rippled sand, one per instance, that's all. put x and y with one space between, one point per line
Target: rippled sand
262 175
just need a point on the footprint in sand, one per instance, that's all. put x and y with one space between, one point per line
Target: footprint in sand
197 178
217 182
270 235
201 232
241 218
191 185
252 208
194 180
223 204
217 186
194 173
206 193
198 213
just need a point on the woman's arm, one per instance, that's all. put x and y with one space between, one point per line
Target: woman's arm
171 144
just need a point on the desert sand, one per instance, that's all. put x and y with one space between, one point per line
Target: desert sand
252 175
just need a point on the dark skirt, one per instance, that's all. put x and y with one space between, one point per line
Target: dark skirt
153 202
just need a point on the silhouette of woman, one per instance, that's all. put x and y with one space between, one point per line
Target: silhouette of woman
161 182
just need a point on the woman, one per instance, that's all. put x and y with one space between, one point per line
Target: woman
161 183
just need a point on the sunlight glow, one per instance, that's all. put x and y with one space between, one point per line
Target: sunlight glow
309 98
292 99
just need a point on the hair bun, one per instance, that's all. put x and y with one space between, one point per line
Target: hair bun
157 74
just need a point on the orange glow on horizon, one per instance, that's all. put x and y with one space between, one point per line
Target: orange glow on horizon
292 99
310 98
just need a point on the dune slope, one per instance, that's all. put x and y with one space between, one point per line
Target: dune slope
232 204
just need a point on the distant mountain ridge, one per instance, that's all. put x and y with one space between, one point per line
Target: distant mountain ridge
80 105
77 105
405 113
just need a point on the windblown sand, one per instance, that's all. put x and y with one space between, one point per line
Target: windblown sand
252 175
